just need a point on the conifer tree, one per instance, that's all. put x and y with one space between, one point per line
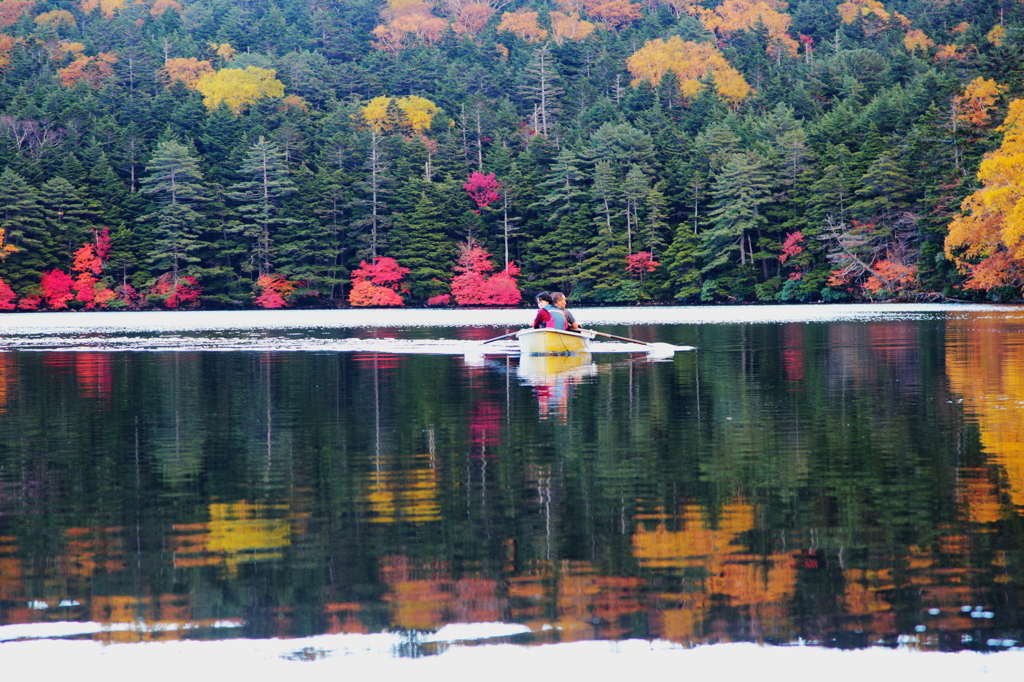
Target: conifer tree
259 199
21 220
69 220
420 245
741 190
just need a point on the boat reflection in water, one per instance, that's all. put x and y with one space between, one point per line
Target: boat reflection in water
552 378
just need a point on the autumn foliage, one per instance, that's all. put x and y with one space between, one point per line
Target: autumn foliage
523 23
7 296
986 240
692 63
181 294
275 291
472 286
408 22
482 189
377 283
792 247
975 105
89 70
238 88
733 16
414 113
188 70
641 263
12 10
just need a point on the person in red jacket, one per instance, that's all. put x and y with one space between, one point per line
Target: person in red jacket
549 314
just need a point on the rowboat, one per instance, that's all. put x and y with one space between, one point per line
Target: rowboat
546 341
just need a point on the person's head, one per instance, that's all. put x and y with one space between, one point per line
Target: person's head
543 299
558 298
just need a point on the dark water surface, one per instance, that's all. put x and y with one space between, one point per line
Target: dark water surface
844 483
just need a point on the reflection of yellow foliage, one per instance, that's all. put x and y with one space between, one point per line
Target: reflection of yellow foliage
405 495
985 364
238 88
92 549
762 585
236 533
979 496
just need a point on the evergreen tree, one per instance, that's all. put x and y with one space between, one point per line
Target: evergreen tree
69 220
741 190
21 220
420 245
259 201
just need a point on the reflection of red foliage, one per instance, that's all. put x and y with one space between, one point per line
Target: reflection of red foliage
6 296
485 423
379 360
56 286
479 333
377 283
93 372
472 287
793 352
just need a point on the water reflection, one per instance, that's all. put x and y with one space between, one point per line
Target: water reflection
843 483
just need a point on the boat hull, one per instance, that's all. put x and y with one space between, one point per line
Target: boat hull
552 342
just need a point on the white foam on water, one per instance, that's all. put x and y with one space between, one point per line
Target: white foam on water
379 657
211 320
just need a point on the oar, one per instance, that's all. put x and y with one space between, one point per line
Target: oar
499 338
658 345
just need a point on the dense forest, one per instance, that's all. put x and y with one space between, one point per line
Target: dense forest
217 153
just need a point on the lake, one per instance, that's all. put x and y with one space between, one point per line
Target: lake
815 477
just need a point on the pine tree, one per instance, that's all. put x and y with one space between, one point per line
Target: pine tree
420 245
69 220
741 190
174 181
541 88
259 201
21 220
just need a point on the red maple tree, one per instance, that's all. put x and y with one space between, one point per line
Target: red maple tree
377 283
181 294
793 246
57 289
640 263
482 188
472 286
6 296
275 291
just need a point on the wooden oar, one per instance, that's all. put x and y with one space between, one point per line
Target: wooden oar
499 338
658 345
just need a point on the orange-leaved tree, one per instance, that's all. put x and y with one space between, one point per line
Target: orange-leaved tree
692 63
733 16
986 240
12 10
569 27
977 101
106 7
405 20
523 23
89 70
614 14
188 70
377 283
238 88
275 291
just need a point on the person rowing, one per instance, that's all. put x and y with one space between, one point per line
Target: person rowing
549 315
570 320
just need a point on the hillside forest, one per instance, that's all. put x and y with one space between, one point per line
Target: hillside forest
231 153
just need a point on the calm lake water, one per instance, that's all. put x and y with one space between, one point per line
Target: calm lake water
849 477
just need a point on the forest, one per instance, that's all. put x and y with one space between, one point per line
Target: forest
230 154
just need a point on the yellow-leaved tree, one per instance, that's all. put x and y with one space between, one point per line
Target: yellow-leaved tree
986 240
414 113
523 23
238 88
691 63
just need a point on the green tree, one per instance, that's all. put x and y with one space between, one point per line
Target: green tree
258 201
741 191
